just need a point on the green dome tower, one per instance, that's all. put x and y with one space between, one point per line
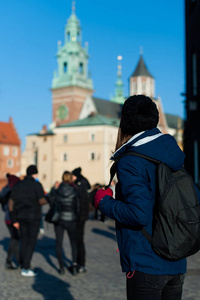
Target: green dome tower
71 83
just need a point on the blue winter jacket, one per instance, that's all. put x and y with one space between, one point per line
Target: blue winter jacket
135 201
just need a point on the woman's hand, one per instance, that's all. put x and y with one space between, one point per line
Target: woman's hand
100 194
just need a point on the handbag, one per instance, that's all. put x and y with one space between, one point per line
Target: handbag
53 214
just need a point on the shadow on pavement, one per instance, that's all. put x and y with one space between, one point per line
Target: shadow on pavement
51 287
46 247
104 233
5 242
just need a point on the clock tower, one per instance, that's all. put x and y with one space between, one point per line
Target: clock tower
71 84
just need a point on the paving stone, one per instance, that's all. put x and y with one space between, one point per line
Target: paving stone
103 280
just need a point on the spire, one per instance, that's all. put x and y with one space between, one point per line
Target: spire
141 69
141 81
119 92
73 7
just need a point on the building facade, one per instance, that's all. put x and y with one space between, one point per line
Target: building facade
87 143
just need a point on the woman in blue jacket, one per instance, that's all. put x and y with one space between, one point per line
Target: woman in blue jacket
148 275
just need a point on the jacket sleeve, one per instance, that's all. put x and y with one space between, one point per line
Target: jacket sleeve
135 207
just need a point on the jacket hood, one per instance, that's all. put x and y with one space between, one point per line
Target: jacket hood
153 143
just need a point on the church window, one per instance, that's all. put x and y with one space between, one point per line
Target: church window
35 158
65 67
65 157
78 36
143 87
92 137
81 68
68 36
65 138
92 156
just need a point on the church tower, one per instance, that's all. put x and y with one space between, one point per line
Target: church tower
119 91
71 83
141 81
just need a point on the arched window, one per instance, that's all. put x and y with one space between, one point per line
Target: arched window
65 157
65 138
65 67
68 36
81 68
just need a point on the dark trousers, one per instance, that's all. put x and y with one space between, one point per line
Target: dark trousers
60 228
28 235
80 243
13 248
143 286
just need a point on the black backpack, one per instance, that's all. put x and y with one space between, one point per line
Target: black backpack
176 225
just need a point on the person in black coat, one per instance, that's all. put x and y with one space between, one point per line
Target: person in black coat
25 203
83 187
67 198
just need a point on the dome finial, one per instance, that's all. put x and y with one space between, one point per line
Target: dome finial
119 67
73 7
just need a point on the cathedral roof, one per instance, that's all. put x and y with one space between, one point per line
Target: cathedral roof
174 121
141 69
93 120
107 108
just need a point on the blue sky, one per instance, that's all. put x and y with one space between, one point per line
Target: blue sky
30 30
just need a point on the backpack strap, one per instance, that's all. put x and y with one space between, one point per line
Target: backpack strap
130 153
112 174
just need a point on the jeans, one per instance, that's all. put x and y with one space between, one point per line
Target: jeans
143 286
28 236
13 248
80 243
70 227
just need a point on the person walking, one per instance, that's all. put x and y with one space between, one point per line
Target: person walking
68 202
13 247
149 276
25 203
83 187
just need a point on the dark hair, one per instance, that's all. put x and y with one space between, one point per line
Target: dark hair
67 177
139 113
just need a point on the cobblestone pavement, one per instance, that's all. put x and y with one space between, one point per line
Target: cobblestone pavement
103 280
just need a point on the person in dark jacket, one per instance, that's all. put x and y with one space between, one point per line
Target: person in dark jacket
13 247
67 198
83 187
149 276
25 207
